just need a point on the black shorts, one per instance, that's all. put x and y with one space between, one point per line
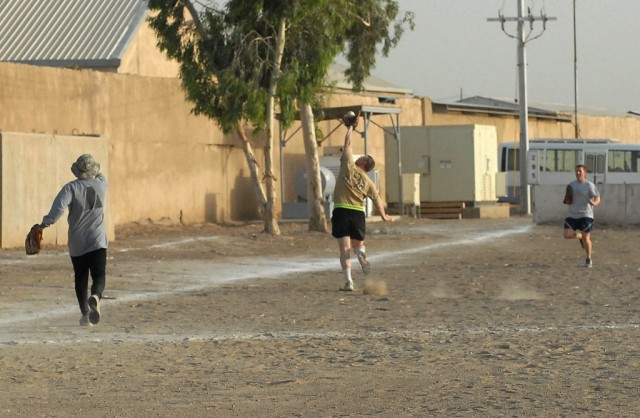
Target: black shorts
583 224
348 223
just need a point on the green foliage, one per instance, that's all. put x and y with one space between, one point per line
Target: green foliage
376 17
227 62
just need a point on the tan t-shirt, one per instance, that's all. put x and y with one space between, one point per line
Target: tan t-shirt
352 185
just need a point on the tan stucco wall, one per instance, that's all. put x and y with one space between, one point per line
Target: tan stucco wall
34 167
623 128
143 57
165 162
168 164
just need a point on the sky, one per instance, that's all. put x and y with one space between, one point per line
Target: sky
455 52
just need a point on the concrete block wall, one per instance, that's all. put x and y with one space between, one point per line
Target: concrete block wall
619 204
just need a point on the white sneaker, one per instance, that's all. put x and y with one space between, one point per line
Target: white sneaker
362 258
588 263
84 321
348 287
94 309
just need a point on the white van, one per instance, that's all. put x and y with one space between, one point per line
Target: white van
607 161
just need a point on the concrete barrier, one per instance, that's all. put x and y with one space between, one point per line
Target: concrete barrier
619 204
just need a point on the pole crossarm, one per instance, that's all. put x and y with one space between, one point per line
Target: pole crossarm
530 18
523 19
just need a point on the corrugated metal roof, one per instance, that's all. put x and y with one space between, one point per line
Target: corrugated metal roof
479 104
371 85
85 33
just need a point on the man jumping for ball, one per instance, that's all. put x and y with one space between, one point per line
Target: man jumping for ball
348 218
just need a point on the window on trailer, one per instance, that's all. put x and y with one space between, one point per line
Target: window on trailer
623 161
563 160
509 159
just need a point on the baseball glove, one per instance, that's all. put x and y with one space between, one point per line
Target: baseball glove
568 195
33 242
350 119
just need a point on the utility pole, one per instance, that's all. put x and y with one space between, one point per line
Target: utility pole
523 37
575 71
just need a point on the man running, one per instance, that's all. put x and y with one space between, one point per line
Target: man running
582 196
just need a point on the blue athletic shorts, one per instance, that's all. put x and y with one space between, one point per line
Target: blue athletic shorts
583 224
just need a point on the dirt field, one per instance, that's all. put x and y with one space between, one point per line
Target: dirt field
479 318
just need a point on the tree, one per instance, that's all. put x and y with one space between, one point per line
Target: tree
229 66
239 63
316 36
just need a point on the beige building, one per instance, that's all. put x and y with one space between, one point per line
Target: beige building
164 162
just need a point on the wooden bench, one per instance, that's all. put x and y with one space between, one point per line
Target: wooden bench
442 210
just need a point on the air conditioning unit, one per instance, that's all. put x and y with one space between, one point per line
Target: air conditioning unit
327 178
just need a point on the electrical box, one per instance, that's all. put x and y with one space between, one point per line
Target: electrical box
501 184
454 163
411 189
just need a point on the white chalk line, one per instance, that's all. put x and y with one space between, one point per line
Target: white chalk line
248 268
268 268
170 244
